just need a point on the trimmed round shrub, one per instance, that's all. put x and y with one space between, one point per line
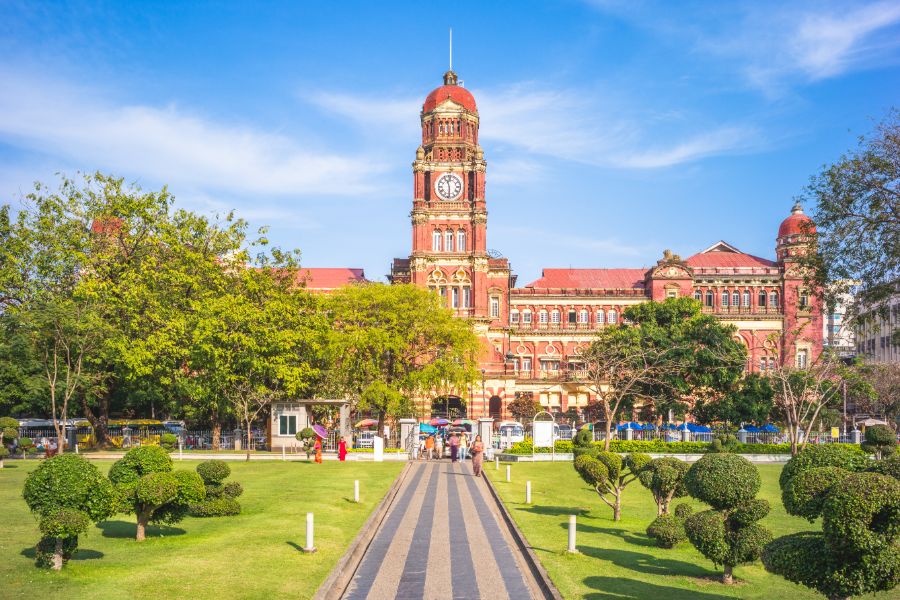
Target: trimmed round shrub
683 510
880 440
138 462
64 523
804 494
846 456
307 433
215 490
724 443
746 544
667 530
722 480
613 463
46 547
68 481
9 429
156 489
706 531
749 512
583 438
888 466
217 507
862 513
213 471
26 445
636 461
664 477
4 452
591 470
233 489
169 441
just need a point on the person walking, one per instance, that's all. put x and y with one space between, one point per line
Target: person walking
429 447
342 450
438 447
463 446
454 447
318 449
477 456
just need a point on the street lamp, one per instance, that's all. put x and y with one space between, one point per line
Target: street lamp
483 396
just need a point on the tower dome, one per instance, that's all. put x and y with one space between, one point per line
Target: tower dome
798 223
451 90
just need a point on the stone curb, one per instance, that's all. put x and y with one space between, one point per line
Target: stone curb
534 564
569 457
342 574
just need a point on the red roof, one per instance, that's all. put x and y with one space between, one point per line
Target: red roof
458 94
715 258
794 224
590 279
329 279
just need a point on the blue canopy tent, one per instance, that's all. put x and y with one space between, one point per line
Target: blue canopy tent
769 428
751 429
426 428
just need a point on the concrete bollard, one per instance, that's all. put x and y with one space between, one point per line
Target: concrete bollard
180 451
497 463
527 492
507 474
283 457
572 549
356 490
310 546
76 447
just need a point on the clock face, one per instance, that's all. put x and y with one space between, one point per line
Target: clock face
448 186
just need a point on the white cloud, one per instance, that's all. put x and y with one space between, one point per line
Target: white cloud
169 144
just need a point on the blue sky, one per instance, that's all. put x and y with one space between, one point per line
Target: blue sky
612 129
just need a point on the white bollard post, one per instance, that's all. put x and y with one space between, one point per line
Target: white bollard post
310 547
76 447
180 451
572 549
507 474
527 492
283 457
497 463
356 490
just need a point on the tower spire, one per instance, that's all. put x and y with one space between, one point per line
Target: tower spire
451 48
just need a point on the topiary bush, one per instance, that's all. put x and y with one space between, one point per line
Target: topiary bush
307 436
729 534
667 531
683 510
220 497
857 552
881 441
888 466
9 430
804 495
26 445
66 493
664 477
725 442
151 490
169 441
846 456
608 474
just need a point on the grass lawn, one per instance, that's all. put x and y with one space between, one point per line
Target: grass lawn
618 560
253 555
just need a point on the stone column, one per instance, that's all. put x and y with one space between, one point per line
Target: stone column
344 414
408 428
486 431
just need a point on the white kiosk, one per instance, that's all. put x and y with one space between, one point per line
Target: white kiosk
543 433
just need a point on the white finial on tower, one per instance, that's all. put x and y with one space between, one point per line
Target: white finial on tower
451 48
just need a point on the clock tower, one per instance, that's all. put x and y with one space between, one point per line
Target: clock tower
449 214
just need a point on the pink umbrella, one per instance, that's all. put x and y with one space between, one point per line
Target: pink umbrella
439 422
320 431
367 423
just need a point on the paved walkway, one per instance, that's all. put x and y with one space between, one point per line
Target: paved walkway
442 538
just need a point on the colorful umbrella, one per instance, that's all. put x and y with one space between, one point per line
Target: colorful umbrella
320 431
439 422
367 423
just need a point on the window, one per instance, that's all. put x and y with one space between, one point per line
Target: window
573 316
513 316
698 296
773 299
467 297
448 241
583 316
526 364
436 241
554 316
601 317
709 298
746 302
461 240
612 316
802 356
735 299
455 297
495 307
725 296
287 425
761 301
762 364
543 316
804 299
771 363
549 365
526 316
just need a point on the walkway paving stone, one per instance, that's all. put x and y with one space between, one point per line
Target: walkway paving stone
442 538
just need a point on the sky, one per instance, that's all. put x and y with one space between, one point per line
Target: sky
612 130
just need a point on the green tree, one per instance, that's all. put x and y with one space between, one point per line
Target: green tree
857 219
664 477
390 344
880 440
729 534
751 401
66 493
609 474
523 407
152 490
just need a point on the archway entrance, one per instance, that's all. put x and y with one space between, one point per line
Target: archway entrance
495 407
449 407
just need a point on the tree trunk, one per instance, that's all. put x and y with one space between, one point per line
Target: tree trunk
249 437
58 555
143 518
617 511
727 575
100 422
216 433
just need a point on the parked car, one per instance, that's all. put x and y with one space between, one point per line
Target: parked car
565 432
510 433
365 439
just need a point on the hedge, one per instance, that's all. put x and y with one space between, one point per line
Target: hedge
654 447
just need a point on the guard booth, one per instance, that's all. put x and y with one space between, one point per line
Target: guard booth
291 416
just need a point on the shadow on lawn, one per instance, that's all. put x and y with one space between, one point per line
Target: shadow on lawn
627 536
647 563
616 588
82 554
554 510
124 529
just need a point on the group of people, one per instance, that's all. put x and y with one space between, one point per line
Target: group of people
432 447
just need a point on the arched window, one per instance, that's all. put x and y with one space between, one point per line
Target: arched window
543 316
761 301
725 298
746 302
583 316
773 299
467 297
601 317
554 316
735 299
612 316
436 241
461 240
709 298
698 296
455 297
448 241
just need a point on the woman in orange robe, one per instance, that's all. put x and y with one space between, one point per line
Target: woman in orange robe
318 448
